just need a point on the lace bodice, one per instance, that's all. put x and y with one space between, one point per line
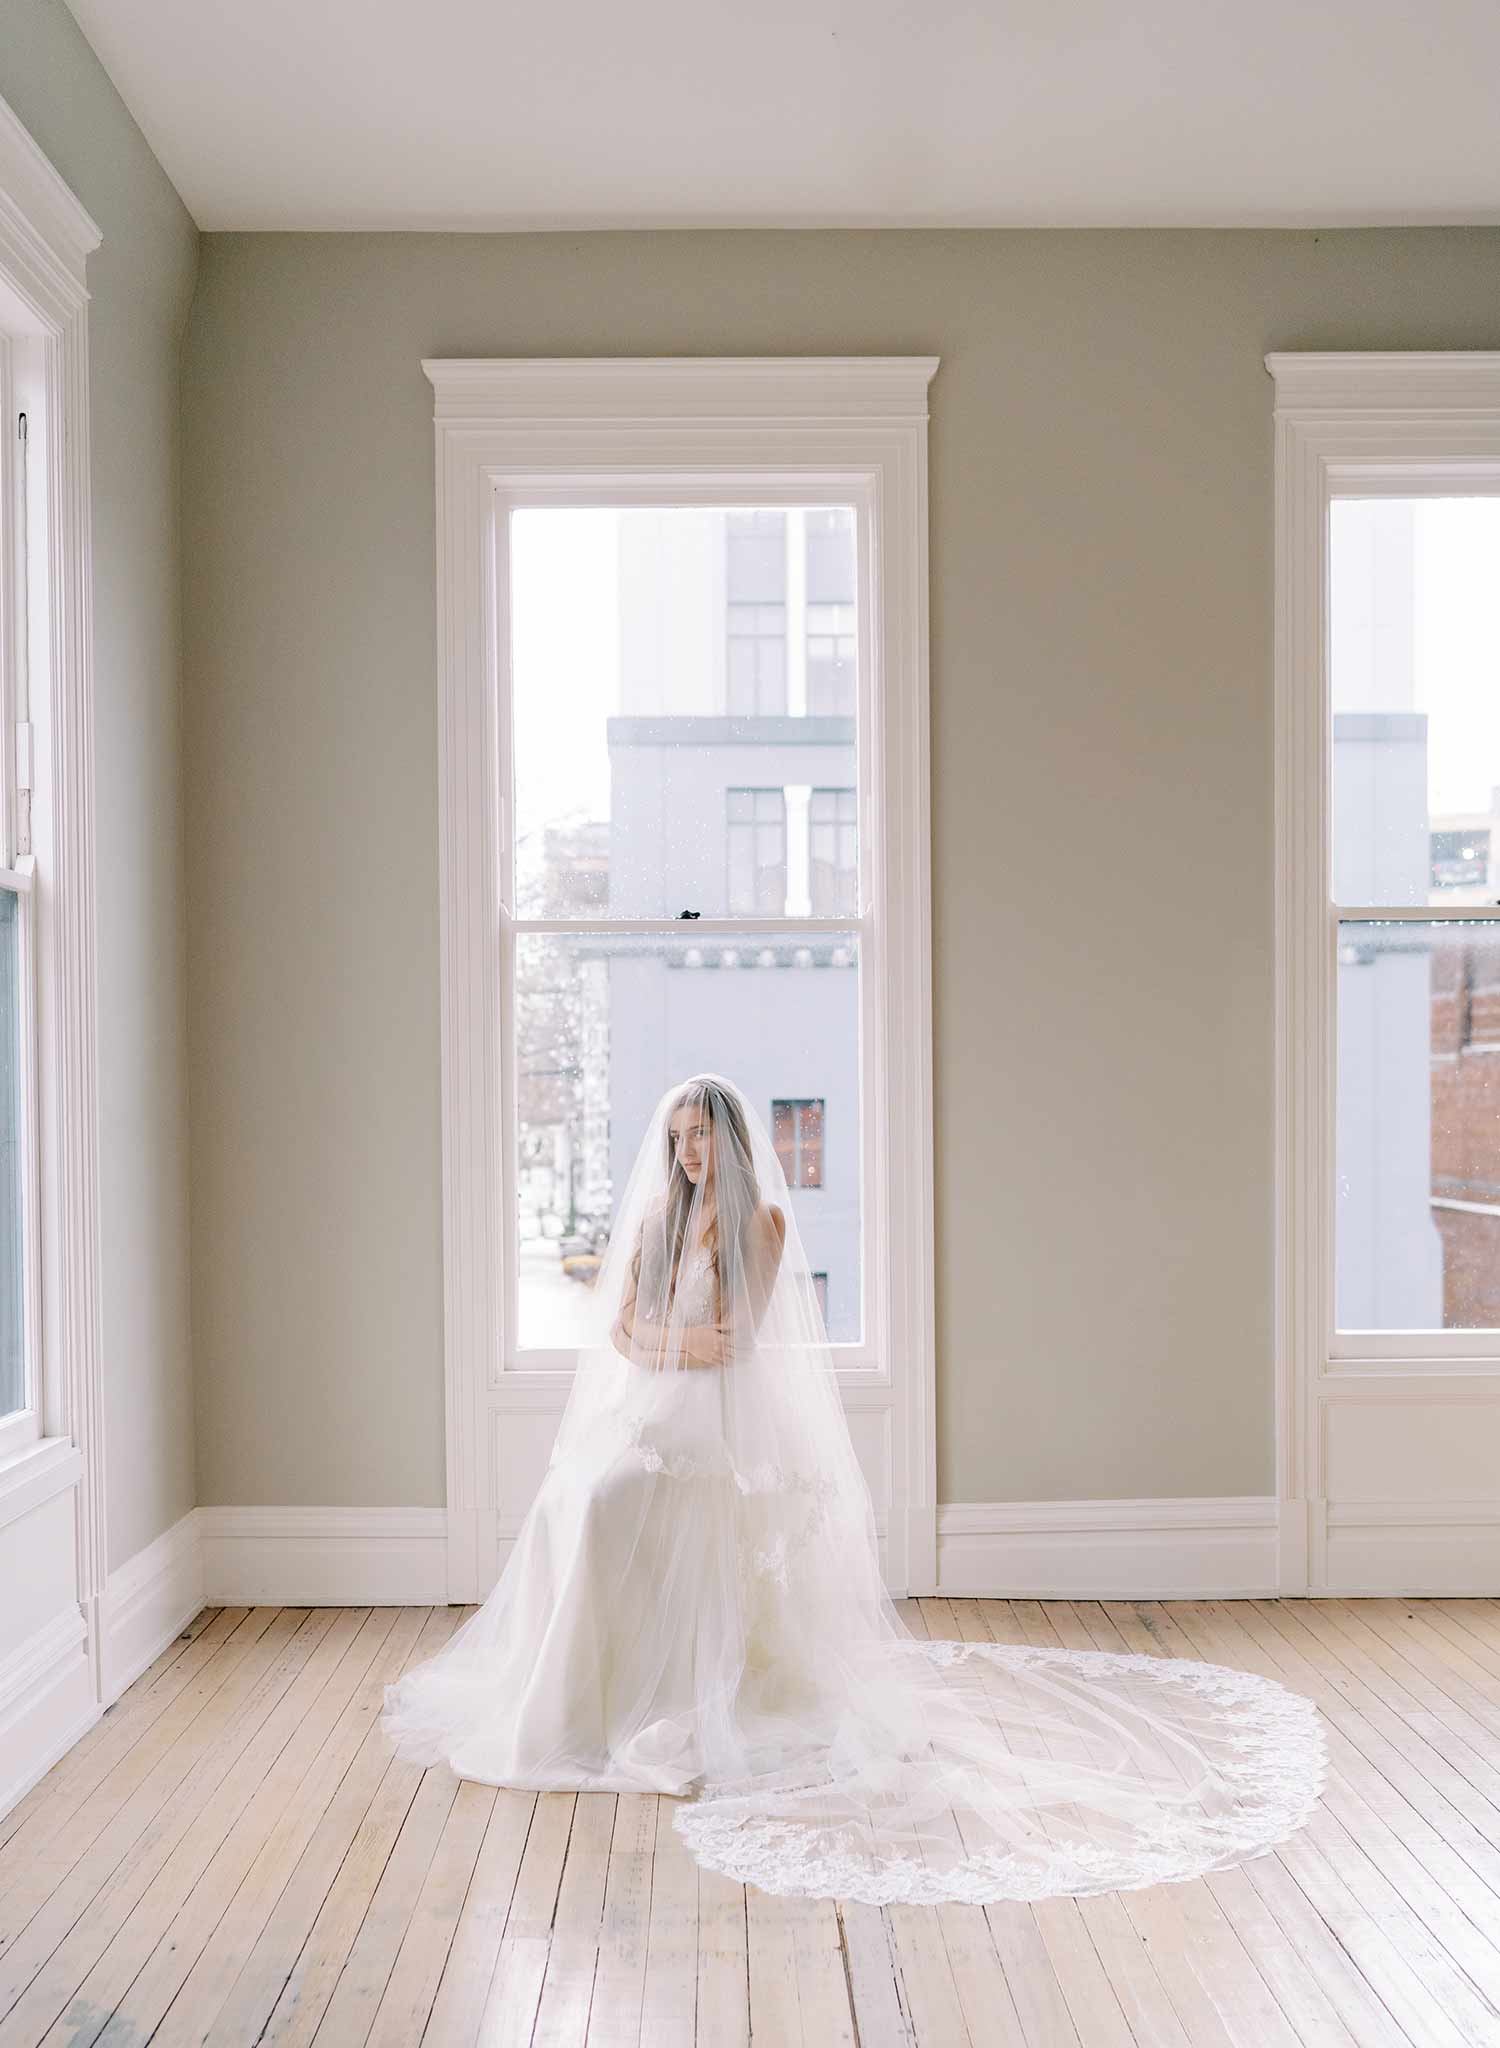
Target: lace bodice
696 1299
697 1293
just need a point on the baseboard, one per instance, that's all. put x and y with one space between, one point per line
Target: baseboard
149 1600
1169 1549
324 1557
46 1702
1410 1548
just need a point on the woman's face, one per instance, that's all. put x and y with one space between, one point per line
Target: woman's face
692 1140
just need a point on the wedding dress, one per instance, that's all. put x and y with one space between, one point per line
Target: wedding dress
694 1607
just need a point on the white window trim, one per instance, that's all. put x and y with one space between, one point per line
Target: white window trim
1388 424
45 240
785 429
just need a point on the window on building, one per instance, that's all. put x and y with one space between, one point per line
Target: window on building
755 589
830 660
797 1133
1461 857
755 828
756 685
833 851
829 621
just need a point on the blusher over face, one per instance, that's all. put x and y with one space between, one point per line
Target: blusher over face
692 1140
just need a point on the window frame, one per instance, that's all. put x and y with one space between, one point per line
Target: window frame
46 238
1383 424
701 431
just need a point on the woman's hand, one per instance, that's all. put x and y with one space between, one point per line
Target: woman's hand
693 1345
710 1344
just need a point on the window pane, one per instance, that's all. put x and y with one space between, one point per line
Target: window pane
1414 649
650 675
12 1275
605 1025
1417 1221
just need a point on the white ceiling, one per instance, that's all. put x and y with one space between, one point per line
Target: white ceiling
475 114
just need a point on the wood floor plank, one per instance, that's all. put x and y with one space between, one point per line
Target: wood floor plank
620 1978
515 1985
458 2009
669 1999
567 1994
874 1980
724 1963
401 2017
775 2008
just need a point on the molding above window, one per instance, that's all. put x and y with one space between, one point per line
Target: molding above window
1393 382
683 388
46 236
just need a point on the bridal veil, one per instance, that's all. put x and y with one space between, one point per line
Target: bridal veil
695 1605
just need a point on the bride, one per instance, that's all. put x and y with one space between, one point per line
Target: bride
694 1606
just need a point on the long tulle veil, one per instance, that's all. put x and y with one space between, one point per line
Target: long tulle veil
726 1631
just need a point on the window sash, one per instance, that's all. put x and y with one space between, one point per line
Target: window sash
1350 1349
856 1360
22 1425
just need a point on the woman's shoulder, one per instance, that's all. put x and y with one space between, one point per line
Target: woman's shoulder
772 1221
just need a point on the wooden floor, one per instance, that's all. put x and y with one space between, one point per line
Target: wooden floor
230 1856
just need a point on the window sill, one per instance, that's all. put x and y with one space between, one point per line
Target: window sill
36 1474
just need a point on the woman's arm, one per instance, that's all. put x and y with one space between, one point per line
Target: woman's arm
649 1344
766 1240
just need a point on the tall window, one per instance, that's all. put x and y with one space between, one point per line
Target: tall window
797 1133
628 552
20 1401
1387 1296
756 830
